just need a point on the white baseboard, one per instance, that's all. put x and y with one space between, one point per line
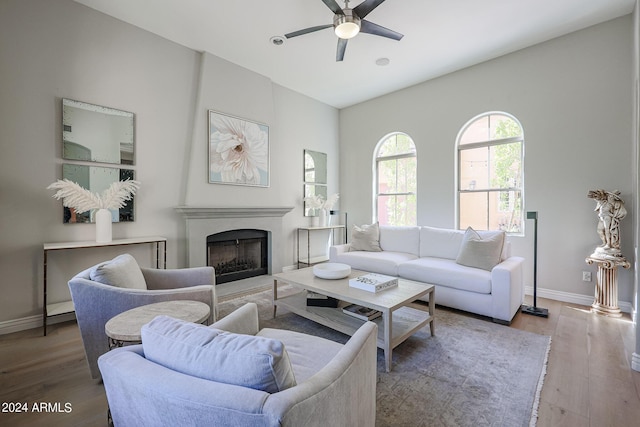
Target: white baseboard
587 300
289 268
31 322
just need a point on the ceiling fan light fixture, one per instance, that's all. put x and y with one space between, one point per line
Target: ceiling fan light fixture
346 26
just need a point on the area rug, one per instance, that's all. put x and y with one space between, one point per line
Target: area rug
471 373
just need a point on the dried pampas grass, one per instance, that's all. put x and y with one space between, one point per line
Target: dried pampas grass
82 200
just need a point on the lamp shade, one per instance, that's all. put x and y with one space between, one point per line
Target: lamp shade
346 26
347 30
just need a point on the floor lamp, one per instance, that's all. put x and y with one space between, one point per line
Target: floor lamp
534 309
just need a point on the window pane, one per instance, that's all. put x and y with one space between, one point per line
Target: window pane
506 163
396 144
474 210
477 131
503 127
506 211
397 210
474 169
387 176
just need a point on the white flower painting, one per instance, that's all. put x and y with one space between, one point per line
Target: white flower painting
238 151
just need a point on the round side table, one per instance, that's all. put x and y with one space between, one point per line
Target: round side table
126 326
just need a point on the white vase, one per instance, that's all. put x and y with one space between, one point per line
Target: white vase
103 226
323 217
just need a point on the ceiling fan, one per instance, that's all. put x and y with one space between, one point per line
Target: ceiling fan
347 23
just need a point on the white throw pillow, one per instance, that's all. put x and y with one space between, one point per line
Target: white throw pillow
480 251
123 271
365 238
204 352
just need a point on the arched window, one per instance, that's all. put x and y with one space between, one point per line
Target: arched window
395 181
490 150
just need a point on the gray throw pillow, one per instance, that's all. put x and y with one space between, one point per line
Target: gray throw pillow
480 252
123 271
365 238
204 352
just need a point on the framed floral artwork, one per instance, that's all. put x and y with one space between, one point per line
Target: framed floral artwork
238 151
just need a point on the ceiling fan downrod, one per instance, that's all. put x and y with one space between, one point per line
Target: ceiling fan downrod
347 24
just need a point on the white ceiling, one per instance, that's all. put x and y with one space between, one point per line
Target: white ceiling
440 36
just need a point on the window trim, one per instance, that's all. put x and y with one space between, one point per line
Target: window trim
489 143
376 161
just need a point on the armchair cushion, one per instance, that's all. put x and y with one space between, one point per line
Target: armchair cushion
204 352
123 271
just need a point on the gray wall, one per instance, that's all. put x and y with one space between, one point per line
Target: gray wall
54 49
573 98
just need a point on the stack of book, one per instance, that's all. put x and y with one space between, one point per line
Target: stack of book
373 282
318 300
361 312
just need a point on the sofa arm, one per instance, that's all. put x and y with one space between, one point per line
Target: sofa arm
336 250
507 288
243 320
343 393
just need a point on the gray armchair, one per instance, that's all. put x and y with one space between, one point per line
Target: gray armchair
335 384
95 302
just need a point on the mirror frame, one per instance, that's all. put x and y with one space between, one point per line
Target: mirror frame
109 134
319 168
82 175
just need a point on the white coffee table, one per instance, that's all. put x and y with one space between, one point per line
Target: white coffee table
400 318
126 326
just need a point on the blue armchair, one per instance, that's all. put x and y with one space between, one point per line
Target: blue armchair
335 384
107 289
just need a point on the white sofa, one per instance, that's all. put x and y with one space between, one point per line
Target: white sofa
428 255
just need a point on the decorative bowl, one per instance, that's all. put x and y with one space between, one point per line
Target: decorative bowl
331 270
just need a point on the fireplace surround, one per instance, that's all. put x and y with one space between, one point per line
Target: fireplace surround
202 222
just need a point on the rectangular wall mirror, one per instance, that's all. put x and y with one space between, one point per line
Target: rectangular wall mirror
97 134
97 179
315 167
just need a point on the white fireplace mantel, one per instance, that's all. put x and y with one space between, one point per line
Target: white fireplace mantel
200 212
202 221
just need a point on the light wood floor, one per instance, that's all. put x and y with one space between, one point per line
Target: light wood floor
589 381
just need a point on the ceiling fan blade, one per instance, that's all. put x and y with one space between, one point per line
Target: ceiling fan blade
364 8
342 46
378 30
307 30
331 4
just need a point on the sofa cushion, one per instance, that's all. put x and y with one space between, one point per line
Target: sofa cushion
481 251
440 242
123 271
400 239
366 238
204 352
385 262
308 353
446 272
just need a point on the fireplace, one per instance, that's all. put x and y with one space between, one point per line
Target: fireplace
238 254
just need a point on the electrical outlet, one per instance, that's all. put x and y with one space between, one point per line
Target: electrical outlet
586 276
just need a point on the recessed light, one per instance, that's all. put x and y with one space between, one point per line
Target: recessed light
382 62
277 40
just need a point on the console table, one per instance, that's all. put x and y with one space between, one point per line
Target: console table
56 309
307 261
